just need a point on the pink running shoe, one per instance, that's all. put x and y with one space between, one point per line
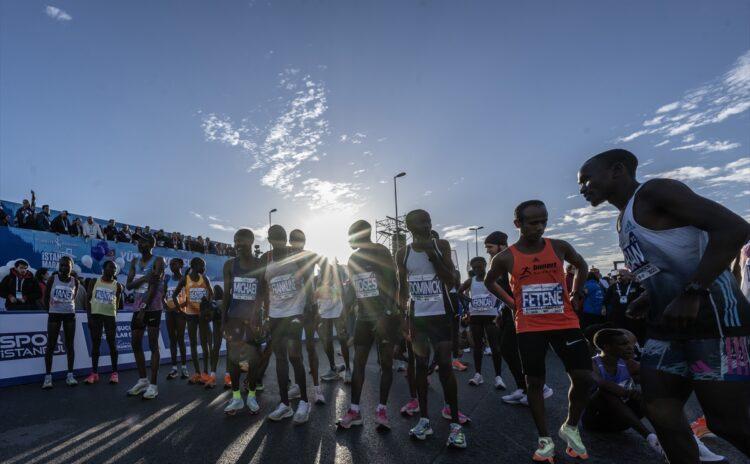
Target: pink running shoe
92 378
349 419
381 418
114 378
410 408
462 419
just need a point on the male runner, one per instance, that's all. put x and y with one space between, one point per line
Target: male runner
330 295
175 317
286 300
373 275
145 279
679 246
243 319
544 316
425 268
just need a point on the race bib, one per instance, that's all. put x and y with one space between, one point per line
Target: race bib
539 299
143 288
245 288
425 287
366 285
283 287
636 260
104 295
645 271
482 303
62 293
196 294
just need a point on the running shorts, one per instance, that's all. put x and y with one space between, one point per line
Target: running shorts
716 359
569 344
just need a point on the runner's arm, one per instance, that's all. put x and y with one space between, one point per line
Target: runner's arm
180 285
89 295
500 265
130 284
120 303
464 286
444 264
209 289
154 278
48 291
227 272
403 285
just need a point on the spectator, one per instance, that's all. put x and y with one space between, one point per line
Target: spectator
25 214
42 221
147 231
61 224
76 229
91 229
138 232
41 276
617 298
593 302
4 216
200 245
211 247
124 235
19 288
110 231
161 238
603 282
173 241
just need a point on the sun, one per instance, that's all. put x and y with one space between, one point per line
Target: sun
327 233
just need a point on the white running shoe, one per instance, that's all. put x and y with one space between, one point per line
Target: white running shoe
514 398
70 380
477 380
487 351
330 376
294 392
151 392
281 412
140 386
653 442
499 384
318 393
252 404
547 392
234 406
706 455
47 381
303 413
348 377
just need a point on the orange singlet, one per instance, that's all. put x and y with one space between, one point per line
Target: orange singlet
539 291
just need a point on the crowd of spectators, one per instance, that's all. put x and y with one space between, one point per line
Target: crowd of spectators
27 217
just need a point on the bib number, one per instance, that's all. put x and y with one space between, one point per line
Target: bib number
366 285
540 299
104 295
425 287
245 288
283 287
196 294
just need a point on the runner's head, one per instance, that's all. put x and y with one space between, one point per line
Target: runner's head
479 266
175 265
601 176
495 242
613 342
419 223
109 269
277 236
531 219
65 266
243 243
297 240
360 233
146 243
198 265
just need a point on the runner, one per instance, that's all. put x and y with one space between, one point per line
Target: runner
198 292
331 318
425 268
679 246
483 310
104 299
286 301
544 316
59 299
145 279
214 316
373 276
242 315
175 317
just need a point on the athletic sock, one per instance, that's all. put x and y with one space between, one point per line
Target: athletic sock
236 394
381 407
213 374
354 407
251 394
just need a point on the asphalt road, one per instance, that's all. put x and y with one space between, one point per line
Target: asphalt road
185 425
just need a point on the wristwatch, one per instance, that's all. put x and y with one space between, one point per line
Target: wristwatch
694 288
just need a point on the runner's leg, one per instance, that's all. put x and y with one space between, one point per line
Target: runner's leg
477 349
216 345
326 338
153 345
192 325
363 337
448 378
95 332
728 419
136 341
110 330
312 353
180 323
493 338
69 332
295 358
204 331
53 333
509 347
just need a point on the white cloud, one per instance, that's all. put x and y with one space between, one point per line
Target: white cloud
688 138
358 172
587 214
686 173
662 143
196 215
222 227
738 164
705 146
427 193
668 107
458 232
337 196
632 136
736 171
57 14
738 175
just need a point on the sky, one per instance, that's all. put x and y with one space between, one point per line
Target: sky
202 116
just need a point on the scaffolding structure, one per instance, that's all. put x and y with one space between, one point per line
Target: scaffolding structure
385 233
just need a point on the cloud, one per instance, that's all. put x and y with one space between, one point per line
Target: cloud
196 215
217 129
358 172
668 107
737 171
688 138
705 146
337 196
222 227
57 14
587 214
427 193
458 232
632 136
662 143
686 173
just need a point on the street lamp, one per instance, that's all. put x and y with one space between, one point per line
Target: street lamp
395 199
476 238
269 216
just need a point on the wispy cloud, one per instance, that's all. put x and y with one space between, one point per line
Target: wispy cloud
57 14
686 173
336 196
457 232
589 214
427 193
705 146
196 215
737 171
222 227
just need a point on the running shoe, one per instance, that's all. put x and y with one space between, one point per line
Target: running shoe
252 404
330 376
499 384
348 377
341 368
705 454
140 386
446 413
422 430
235 405
47 382
545 451
477 380
381 418
210 382
70 380
184 374
318 393
227 381
173 373
205 378
410 408
303 413
401 366
259 387
487 351
546 393
114 378
195 379
572 437
350 418
151 392
281 412
653 442
700 429
458 365
515 397
92 379
294 392
457 438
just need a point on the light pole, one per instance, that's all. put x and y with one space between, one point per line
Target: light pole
476 238
269 216
395 199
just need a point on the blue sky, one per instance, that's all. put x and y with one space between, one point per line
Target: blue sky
200 117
